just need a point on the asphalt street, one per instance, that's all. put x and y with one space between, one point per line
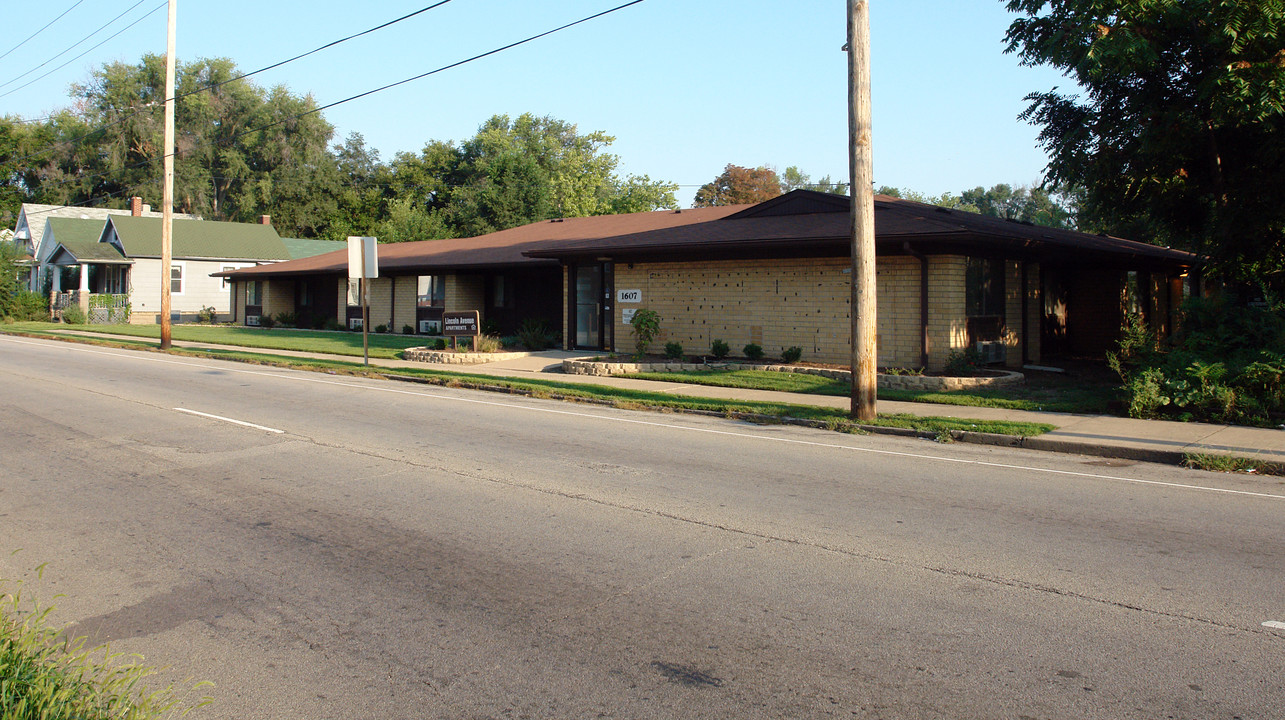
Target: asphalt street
321 546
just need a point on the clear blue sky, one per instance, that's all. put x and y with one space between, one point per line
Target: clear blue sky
685 87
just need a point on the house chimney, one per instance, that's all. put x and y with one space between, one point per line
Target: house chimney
265 219
136 206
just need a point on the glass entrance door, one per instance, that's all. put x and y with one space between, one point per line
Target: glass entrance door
589 306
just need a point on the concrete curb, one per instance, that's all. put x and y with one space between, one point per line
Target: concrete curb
1037 443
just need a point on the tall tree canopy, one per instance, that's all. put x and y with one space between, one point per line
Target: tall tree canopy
1022 204
243 151
1178 134
795 179
738 185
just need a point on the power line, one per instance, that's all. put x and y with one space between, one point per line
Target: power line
214 86
104 42
438 70
46 27
73 45
376 90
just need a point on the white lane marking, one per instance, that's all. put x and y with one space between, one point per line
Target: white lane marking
228 419
133 355
1275 624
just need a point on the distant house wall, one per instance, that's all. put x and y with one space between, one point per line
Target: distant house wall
405 296
199 290
466 292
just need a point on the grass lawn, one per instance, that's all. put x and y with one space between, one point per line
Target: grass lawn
1085 391
539 387
382 345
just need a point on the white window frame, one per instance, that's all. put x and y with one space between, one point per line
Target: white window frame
182 277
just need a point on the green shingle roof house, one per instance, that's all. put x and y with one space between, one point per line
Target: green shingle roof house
122 255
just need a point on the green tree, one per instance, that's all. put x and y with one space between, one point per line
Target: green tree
1023 204
738 185
1177 130
795 179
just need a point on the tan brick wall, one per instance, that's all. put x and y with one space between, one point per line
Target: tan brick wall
1034 312
278 297
341 309
466 292
947 314
775 303
404 298
566 307
379 297
238 301
1013 313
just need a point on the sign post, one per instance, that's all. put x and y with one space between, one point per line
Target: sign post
363 264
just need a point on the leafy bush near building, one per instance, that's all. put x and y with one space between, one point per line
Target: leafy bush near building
719 349
27 306
753 351
1225 365
73 315
674 350
792 354
646 324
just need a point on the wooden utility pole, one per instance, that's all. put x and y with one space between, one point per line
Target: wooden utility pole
167 199
864 377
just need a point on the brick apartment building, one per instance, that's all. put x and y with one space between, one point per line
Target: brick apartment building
776 274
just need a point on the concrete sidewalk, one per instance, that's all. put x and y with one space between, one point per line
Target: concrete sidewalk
1098 435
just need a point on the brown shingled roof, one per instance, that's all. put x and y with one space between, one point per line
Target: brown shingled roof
808 222
504 248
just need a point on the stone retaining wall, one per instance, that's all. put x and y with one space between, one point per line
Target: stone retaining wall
582 366
448 357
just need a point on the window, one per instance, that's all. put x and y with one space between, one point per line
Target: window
354 292
254 292
431 291
984 289
499 293
176 279
227 268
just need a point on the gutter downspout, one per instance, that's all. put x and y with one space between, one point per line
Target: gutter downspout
923 302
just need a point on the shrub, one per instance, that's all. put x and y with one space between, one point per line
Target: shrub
487 344
73 315
753 351
963 363
646 324
674 350
1227 365
408 330
490 327
267 322
792 354
334 325
719 349
535 334
381 328
286 319
207 315
439 344
28 305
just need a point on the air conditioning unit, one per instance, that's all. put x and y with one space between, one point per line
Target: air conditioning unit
354 323
252 320
992 352
430 327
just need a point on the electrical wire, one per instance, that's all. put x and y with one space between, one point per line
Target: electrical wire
104 42
46 27
434 72
212 86
382 88
73 46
